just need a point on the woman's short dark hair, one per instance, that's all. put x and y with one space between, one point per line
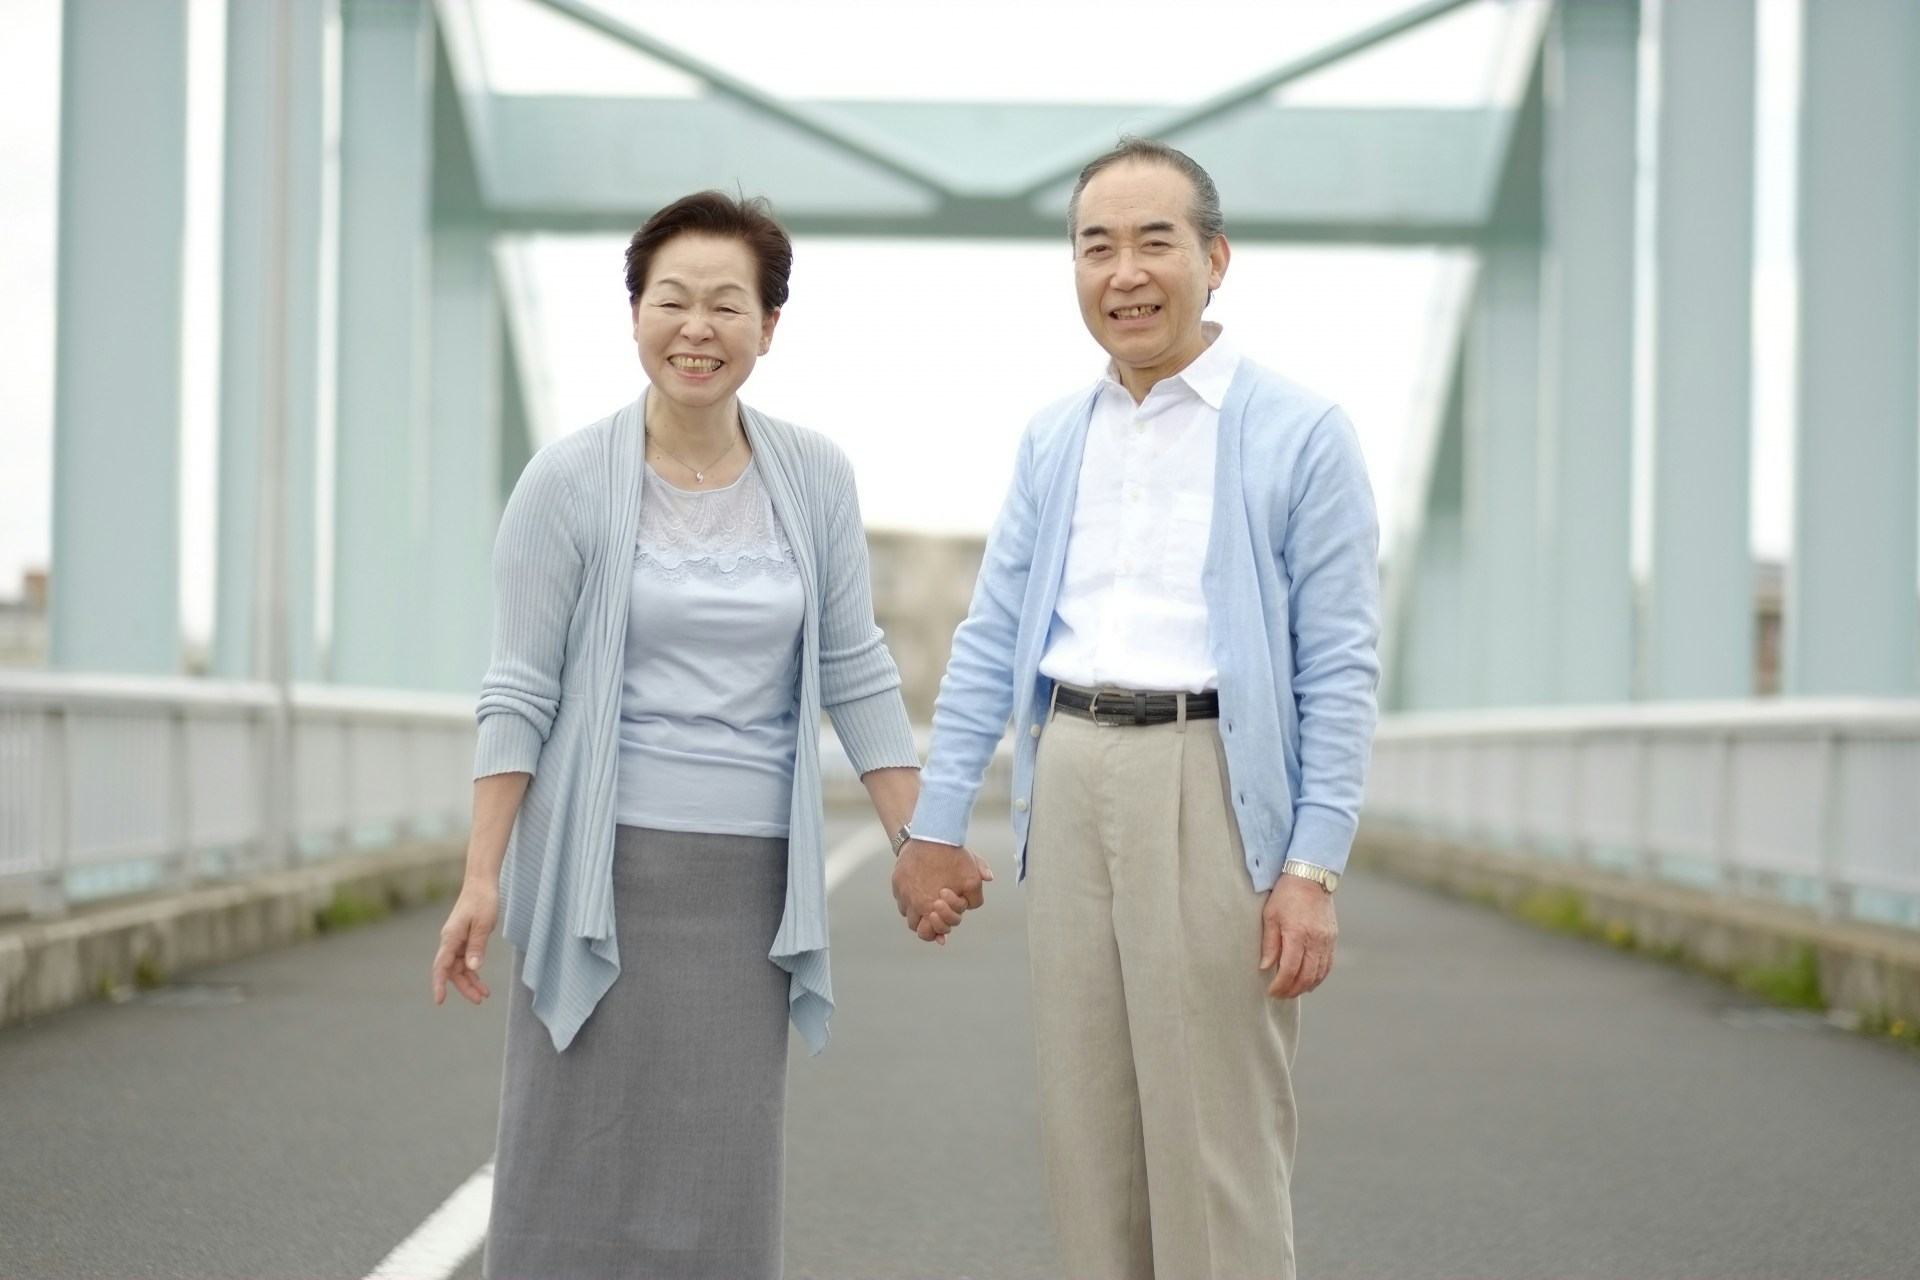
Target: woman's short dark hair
715 213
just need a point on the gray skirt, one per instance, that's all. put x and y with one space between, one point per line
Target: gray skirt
654 1146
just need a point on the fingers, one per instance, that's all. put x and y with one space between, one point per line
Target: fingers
1269 939
1286 978
980 863
463 948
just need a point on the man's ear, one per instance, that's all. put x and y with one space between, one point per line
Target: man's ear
1219 253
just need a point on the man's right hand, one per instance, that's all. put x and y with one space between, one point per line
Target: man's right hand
934 883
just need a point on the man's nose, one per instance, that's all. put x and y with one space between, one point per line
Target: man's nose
1127 273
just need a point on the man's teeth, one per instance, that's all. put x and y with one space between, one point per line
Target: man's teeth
692 365
1134 313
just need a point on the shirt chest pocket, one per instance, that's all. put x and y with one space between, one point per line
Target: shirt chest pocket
1189 524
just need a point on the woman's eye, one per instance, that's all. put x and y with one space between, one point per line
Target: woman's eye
668 306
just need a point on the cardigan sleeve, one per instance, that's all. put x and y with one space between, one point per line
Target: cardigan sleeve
976 695
1330 551
859 683
537 572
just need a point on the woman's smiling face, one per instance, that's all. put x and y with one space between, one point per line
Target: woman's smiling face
698 324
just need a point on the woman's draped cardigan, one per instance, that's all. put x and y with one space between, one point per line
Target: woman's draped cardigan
550 704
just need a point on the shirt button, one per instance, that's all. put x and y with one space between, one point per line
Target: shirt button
1034 732
1134 496
1126 566
1139 426
1020 805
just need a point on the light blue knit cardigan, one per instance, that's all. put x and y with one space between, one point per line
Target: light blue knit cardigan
550 705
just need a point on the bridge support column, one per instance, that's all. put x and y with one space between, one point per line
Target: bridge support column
270 338
464 501
1436 662
1700 623
1502 422
1852 624
115 589
1587 349
381 459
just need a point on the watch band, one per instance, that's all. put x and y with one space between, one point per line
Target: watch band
899 838
1328 880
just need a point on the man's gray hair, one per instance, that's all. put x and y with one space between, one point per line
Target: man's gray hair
1205 214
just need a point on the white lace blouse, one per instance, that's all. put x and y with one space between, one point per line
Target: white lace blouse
709 709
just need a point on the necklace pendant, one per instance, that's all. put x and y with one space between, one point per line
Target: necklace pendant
699 477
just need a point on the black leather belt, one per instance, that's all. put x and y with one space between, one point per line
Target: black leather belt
1130 706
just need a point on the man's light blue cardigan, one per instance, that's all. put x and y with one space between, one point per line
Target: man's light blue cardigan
550 704
1292 587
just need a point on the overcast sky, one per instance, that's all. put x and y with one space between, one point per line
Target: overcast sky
923 359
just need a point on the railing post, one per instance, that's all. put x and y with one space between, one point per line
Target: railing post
48 895
1578 847
1722 839
1836 897
176 865
1642 798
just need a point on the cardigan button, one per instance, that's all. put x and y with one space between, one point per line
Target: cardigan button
1020 805
1034 732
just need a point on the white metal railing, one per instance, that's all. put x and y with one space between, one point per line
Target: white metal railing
1812 802
113 782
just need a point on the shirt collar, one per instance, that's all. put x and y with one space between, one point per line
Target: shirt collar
1207 377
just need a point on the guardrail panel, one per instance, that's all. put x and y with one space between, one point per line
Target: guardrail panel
121 779
1777 786
1682 795
1878 812
225 780
24 761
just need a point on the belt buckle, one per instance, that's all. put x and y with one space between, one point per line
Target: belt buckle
1093 709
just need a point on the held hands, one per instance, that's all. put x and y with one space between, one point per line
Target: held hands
463 943
1297 933
933 884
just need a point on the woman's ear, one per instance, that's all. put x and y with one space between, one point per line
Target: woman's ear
766 329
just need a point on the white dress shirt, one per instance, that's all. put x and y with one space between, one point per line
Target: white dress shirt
1130 612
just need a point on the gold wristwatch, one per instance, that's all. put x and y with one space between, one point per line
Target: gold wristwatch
1328 880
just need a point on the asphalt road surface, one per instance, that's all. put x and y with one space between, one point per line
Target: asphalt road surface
1479 1101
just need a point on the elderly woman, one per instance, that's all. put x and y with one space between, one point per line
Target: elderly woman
681 590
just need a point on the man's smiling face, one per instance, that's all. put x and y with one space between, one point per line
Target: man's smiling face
1142 271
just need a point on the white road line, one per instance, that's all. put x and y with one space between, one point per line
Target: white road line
448 1238
846 857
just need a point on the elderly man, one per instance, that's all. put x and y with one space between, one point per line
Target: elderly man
1178 610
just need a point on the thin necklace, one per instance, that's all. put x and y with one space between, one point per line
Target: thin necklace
699 473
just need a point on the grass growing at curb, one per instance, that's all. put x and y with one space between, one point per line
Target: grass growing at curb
349 910
1796 984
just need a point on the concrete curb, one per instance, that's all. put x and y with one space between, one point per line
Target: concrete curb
48 965
1870 972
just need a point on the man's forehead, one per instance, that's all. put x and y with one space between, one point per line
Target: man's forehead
1135 197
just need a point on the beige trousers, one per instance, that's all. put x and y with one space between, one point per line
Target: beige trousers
1166 1099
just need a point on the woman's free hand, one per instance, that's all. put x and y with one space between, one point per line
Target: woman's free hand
463 943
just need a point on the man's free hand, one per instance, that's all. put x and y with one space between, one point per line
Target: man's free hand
1297 933
933 884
